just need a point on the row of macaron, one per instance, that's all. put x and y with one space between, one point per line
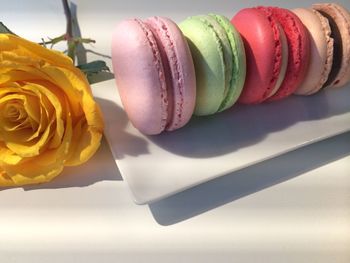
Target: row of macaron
166 72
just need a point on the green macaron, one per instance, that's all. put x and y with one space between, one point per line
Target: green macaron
219 59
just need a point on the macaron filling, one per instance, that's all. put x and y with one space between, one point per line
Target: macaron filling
329 57
284 63
337 50
157 59
172 70
280 63
237 72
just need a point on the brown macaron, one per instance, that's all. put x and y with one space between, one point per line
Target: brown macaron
339 21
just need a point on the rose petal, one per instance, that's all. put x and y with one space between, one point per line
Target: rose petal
73 80
42 168
9 157
31 49
6 44
71 90
34 148
5 180
85 143
20 58
54 101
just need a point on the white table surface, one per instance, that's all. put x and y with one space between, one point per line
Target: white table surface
294 208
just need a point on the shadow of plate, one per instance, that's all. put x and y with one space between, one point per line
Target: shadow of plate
231 187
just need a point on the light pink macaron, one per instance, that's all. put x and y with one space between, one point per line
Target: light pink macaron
322 46
154 73
329 28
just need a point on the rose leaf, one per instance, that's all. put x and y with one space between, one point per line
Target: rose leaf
4 29
96 71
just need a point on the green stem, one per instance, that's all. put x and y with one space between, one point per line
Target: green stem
69 30
53 41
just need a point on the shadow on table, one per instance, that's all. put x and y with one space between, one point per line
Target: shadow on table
96 170
246 125
248 181
122 142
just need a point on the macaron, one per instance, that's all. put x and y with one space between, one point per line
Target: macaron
321 56
339 21
154 73
298 51
267 53
219 60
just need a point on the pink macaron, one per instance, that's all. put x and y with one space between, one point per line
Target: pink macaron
154 73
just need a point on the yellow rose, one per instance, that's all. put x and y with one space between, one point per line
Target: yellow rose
48 117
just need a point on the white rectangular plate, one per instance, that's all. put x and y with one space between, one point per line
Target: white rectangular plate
208 147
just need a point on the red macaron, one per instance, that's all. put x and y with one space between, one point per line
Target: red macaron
277 50
298 51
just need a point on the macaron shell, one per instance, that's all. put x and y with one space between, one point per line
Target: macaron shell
342 19
238 73
298 49
321 51
264 53
207 53
182 86
140 76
